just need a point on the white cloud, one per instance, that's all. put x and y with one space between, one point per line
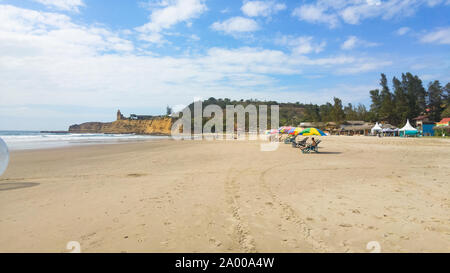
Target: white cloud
350 43
439 36
67 5
225 10
363 67
348 93
332 12
301 45
354 14
353 42
236 25
373 2
168 13
433 3
262 8
430 77
31 33
194 37
316 14
403 30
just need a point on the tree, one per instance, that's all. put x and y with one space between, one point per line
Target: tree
337 112
376 103
350 112
435 100
312 113
362 112
401 108
446 93
168 110
416 94
421 94
325 112
386 111
446 113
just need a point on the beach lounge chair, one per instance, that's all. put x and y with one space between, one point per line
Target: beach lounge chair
309 149
301 143
289 140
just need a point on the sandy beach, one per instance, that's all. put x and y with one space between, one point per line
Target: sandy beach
217 196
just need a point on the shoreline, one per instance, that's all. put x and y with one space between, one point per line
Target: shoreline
23 140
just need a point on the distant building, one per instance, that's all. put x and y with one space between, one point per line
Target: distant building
349 128
424 125
444 122
355 127
423 119
442 127
119 115
427 130
307 124
317 124
134 117
141 117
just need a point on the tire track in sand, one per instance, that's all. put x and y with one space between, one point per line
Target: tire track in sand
241 234
291 216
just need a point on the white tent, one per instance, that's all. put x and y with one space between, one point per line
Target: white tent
408 129
376 129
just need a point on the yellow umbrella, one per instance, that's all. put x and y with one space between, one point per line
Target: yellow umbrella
312 132
298 130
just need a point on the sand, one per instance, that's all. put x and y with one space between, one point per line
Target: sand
201 196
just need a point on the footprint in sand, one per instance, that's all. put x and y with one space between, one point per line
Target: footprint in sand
136 174
215 242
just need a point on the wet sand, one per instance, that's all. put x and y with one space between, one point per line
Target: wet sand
202 196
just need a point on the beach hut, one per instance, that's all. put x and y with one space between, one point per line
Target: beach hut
442 127
408 130
354 127
376 129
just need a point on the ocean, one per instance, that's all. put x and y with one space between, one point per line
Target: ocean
25 140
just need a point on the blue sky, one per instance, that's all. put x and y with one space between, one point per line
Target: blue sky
70 61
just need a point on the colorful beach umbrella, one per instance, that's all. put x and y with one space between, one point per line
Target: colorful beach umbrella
285 129
295 131
298 130
312 132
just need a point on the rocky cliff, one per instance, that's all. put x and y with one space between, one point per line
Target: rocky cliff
156 126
